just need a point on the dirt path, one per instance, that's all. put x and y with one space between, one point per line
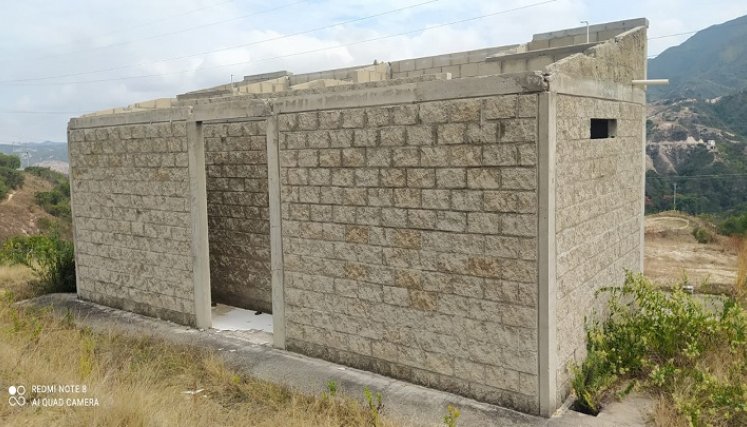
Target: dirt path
672 255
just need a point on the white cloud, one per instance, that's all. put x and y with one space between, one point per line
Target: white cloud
41 39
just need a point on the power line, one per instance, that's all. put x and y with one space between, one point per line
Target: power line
728 175
474 18
674 35
236 18
40 112
141 25
246 45
285 36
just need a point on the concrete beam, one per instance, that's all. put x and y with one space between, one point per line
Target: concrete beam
410 92
553 51
131 118
230 109
603 89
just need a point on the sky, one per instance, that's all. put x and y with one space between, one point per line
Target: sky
62 59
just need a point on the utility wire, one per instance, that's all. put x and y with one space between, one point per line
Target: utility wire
474 18
140 25
257 43
40 112
285 36
236 18
727 175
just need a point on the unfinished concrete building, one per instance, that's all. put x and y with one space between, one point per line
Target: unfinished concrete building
444 220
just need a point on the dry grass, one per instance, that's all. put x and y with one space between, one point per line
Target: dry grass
16 279
140 382
665 414
741 284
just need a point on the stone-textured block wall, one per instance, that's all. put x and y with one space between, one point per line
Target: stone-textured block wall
238 221
598 214
410 240
131 218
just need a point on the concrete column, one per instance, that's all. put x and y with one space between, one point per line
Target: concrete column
642 233
547 334
71 178
276 235
198 210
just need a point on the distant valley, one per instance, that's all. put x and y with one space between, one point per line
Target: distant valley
46 154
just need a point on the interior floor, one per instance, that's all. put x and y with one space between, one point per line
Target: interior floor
227 318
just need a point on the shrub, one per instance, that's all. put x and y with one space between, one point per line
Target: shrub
13 178
57 201
9 161
3 190
669 343
734 225
51 258
703 235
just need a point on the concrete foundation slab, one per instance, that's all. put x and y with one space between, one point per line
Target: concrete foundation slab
227 318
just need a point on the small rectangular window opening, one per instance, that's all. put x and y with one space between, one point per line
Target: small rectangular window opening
603 128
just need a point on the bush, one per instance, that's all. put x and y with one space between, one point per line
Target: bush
669 343
3 190
734 226
48 174
13 178
51 258
9 161
57 201
703 235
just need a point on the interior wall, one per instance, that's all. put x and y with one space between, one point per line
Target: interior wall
238 217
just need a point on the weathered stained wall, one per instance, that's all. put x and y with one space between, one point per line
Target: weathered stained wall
409 239
598 214
130 187
238 219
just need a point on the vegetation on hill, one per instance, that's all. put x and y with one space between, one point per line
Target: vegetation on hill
711 63
57 201
10 177
735 225
708 181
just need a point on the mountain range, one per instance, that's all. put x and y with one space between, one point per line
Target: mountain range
697 125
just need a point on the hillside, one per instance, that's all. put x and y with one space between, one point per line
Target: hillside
19 213
710 64
678 150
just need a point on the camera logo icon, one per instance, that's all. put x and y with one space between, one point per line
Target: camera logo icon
17 397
